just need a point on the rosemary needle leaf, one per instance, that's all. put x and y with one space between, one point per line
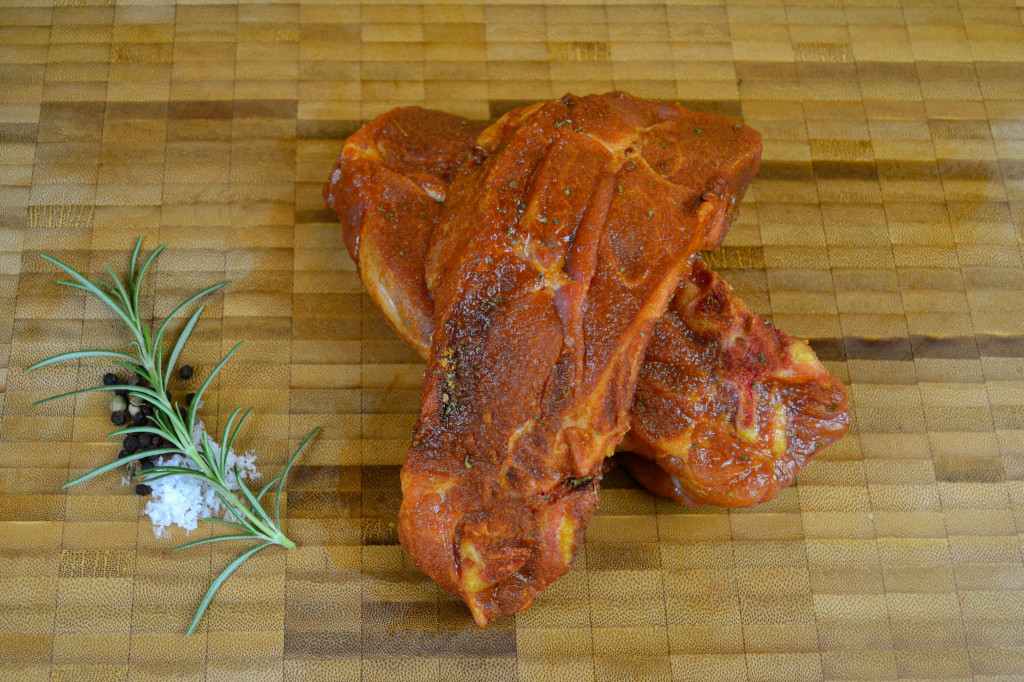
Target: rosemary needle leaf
245 515
131 367
194 405
225 521
253 524
135 279
118 288
165 471
158 341
109 466
218 581
75 355
216 538
95 290
264 489
230 440
179 344
136 429
225 444
240 518
284 475
74 285
253 502
206 452
90 389
132 261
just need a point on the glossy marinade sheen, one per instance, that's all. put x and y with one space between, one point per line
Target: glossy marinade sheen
560 244
728 408
387 188
736 466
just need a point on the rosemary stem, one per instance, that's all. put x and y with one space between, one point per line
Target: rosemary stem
236 506
186 438
167 419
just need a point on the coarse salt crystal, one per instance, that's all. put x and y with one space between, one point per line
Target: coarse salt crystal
184 500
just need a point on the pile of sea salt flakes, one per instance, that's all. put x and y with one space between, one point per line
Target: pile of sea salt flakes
173 500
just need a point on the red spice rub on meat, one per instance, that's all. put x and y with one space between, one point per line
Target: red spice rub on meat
728 408
719 390
559 246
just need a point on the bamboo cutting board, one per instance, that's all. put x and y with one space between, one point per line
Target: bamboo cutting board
886 225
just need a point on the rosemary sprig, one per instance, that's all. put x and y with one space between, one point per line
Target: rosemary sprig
251 521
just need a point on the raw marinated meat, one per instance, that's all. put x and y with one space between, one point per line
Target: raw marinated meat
728 408
387 188
709 335
812 399
560 244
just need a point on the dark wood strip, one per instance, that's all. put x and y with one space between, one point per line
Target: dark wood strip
969 469
228 109
136 110
829 349
322 645
474 642
860 348
18 133
993 346
478 642
397 615
320 215
324 505
326 130
376 532
789 171
920 346
809 171
200 109
266 108
945 347
325 478
730 108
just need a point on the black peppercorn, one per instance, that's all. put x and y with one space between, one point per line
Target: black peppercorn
122 454
142 489
189 398
109 379
131 443
146 463
144 440
123 392
117 418
139 419
170 398
185 372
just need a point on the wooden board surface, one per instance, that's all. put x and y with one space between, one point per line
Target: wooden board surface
887 226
